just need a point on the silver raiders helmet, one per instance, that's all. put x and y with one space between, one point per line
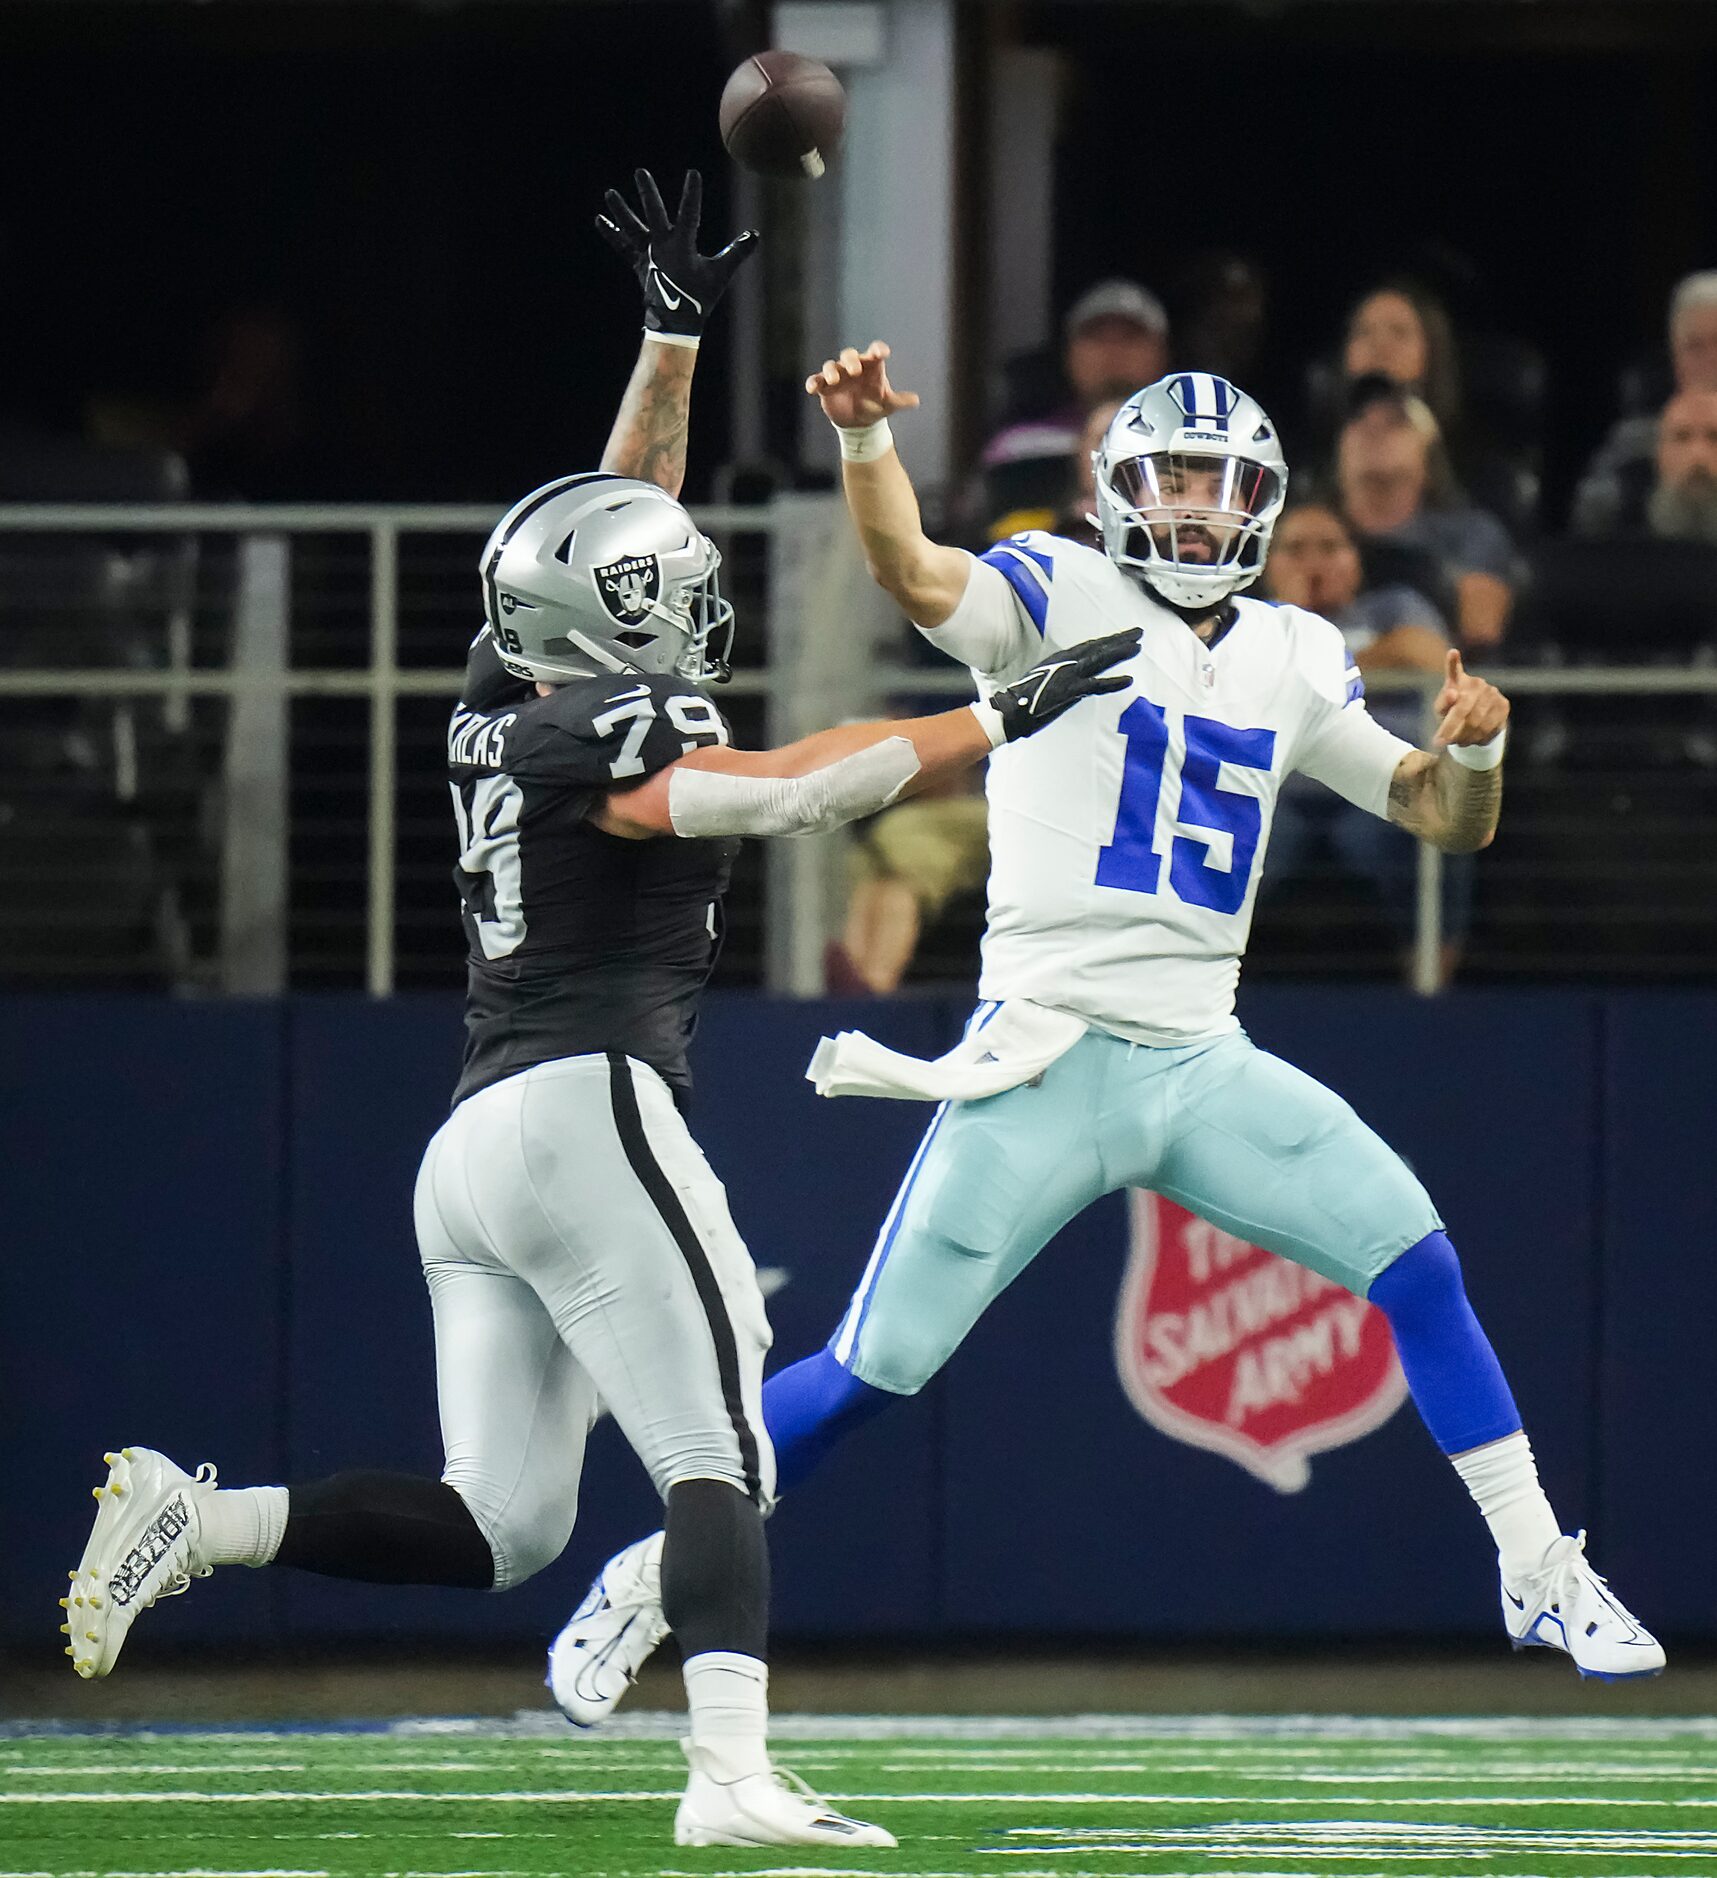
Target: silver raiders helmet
598 573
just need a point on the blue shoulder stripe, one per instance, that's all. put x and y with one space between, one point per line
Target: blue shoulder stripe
1017 545
1017 566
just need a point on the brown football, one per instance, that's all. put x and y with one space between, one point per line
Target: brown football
782 114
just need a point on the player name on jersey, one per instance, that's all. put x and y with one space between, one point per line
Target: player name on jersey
1228 1347
478 741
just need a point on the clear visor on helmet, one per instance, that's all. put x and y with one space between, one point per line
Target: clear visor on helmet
1198 511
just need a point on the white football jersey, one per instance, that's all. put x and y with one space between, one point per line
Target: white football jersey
1126 839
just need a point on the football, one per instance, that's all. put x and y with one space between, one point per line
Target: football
782 114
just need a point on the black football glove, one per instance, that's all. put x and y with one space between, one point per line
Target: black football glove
1059 683
680 285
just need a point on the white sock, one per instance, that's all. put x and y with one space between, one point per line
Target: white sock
728 1696
242 1525
1502 1477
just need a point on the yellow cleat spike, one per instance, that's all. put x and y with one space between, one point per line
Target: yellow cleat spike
91 1636
94 1602
98 1491
65 1604
110 1458
65 1630
129 1453
70 1651
117 1490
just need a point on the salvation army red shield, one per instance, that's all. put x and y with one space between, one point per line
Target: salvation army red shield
1228 1347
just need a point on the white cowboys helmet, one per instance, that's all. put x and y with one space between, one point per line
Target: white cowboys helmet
598 573
1190 480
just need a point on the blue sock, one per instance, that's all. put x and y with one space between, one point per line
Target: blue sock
808 1407
1457 1383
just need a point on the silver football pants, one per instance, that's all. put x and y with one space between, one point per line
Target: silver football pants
580 1257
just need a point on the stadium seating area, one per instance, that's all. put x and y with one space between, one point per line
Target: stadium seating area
114 804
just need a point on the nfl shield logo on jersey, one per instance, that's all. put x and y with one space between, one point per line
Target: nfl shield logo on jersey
1228 1347
630 587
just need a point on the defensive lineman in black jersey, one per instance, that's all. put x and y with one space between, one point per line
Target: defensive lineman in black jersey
578 941
577 1248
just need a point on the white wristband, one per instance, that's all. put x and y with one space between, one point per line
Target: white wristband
991 720
866 443
1480 755
671 339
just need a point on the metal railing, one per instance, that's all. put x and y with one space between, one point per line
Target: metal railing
849 666
798 681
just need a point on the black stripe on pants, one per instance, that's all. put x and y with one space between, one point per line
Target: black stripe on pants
630 1125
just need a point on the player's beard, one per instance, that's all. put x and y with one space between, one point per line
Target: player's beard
1172 544
1685 511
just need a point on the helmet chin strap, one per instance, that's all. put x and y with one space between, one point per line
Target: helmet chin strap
1222 611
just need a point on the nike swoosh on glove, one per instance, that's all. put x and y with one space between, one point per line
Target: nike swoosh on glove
680 285
1059 683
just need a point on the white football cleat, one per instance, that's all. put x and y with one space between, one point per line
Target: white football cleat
773 1808
1565 1605
610 1637
144 1546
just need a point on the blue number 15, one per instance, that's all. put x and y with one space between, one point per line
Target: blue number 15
1131 861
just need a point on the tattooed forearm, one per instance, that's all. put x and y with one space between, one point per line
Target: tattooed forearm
649 435
1443 802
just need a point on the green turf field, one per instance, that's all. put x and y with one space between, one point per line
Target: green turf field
1010 1799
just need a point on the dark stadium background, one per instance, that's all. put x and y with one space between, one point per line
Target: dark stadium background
416 183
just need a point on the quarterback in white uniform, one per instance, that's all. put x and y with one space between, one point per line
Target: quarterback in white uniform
1126 844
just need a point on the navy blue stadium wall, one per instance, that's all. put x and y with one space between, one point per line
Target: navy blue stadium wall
208 1248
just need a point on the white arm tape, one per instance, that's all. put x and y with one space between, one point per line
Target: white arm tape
705 802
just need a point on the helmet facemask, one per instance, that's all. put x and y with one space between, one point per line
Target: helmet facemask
697 609
1190 480
1196 527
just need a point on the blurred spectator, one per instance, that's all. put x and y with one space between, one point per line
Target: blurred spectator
1076 518
906 865
1490 416
1672 495
1399 332
247 434
1314 563
1222 311
1397 489
1683 506
1116 339
1619 477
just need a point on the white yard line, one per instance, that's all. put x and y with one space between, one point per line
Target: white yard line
669 1724
566 1797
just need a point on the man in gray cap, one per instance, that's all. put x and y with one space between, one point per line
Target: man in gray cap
1116 338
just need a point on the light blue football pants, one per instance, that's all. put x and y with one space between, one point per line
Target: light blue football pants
1244 1140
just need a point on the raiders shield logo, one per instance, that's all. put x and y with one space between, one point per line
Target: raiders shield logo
1225 1346
630 587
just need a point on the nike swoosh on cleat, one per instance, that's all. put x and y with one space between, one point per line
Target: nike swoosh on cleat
1518 1603
595 1664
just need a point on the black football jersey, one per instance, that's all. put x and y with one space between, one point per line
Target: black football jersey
579 940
